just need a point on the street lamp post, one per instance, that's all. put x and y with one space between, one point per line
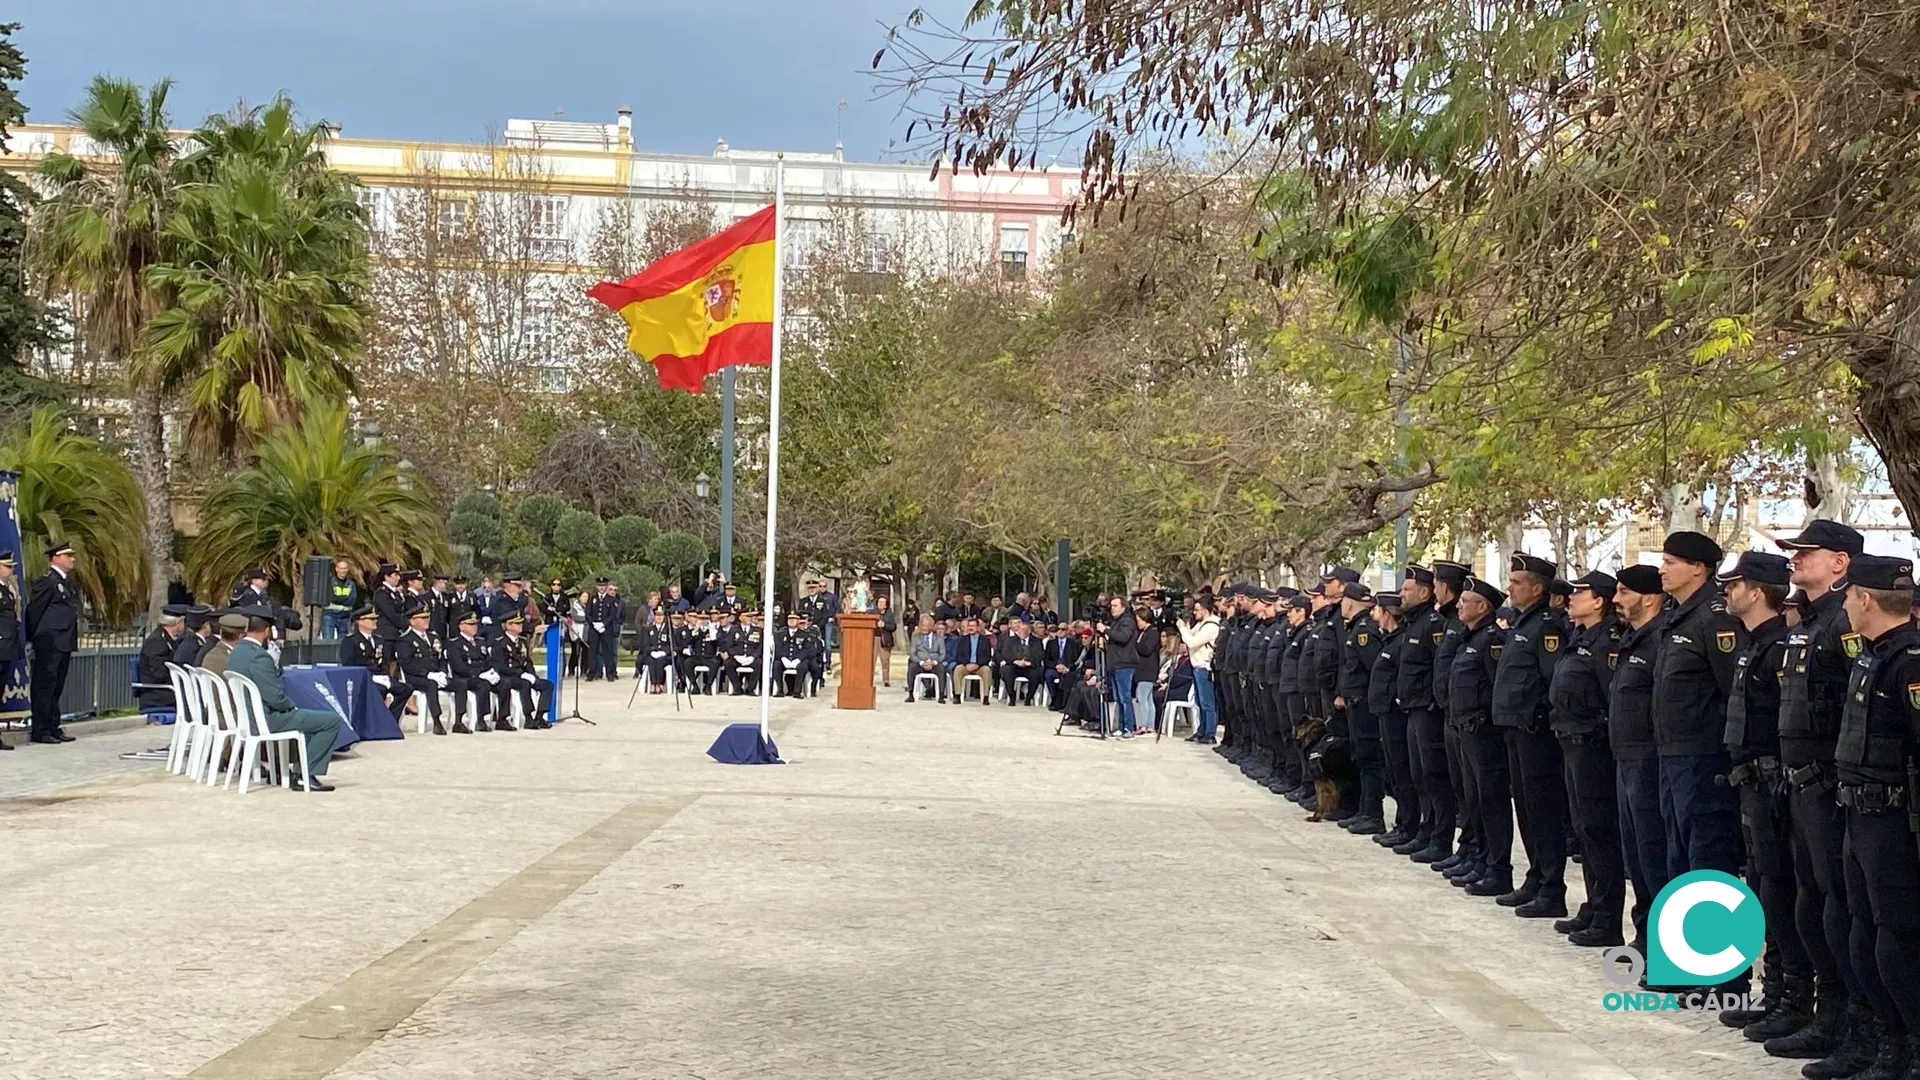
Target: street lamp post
702 487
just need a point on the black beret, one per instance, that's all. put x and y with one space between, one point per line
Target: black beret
1560 587
1642 579
1453 573
1419 574
1693 547
1486 589
1344 574
1827 535
1598 583
1761 568
1881 572
1356 591
1533 564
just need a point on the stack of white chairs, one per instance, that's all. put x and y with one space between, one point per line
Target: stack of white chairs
189 721
223 720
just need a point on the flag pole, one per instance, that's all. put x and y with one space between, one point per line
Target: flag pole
773 437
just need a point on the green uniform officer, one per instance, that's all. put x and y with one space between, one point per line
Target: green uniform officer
320 727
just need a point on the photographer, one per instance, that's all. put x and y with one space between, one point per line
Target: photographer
1200 635
1120 629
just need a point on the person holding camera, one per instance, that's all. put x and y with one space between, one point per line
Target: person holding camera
1200 634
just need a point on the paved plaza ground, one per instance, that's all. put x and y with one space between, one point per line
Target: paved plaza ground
925 892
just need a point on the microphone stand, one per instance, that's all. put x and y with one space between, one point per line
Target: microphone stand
576 714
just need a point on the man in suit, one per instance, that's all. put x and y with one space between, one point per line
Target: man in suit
515 667
156 652
1062 655
470 667
319 727
53 625
927 655
972 655
390 603
422 666
360 648
1020 656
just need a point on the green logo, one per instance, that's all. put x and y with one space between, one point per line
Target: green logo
1705 926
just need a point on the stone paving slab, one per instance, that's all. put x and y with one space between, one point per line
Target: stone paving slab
926 891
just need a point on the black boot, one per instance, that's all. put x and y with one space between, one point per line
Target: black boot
1889 1057
1787 1011
1491 885
1412 845
1600 935
1432 855
1772 988
1549 904
1520 896
1855 1051
1580 921
1821 1037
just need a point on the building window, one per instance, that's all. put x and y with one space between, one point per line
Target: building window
550 240
539 331
878 253
374 202
802 237
1013 252
452 218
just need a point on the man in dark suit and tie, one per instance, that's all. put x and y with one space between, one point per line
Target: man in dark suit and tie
972 655
1062 656
1020 656
53 625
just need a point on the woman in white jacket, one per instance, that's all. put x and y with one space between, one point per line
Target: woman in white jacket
1199 636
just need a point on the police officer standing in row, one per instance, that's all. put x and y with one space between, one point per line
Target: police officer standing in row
1578 693
1359 646
1430 841
53 625
390 604
1449 766
1522 710
1483 748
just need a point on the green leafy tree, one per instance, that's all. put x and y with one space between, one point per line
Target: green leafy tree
309 489
261 290
579 535
677 554
72 489
628 536
635 581
478 502
529 562
96 236
24 323
539 513
477 531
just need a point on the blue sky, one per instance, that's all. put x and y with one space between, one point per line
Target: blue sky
763 74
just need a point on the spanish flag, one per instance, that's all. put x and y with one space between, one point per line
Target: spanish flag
704 307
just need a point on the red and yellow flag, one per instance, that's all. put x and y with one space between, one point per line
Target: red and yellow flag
704 307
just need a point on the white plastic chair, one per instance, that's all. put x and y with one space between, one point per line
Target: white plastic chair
223 726
189 719
1188 706
932 677
1020 681
421 713
254 734
712 684
960 691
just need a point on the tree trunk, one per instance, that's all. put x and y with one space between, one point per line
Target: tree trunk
1888 368
1832 486
1680 507
150 444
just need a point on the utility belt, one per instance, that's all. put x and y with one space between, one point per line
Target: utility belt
1817 776
1872 798
1469 725
1584 737
1763 771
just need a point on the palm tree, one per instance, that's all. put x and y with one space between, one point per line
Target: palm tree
263 284
311 489
98 233
71 489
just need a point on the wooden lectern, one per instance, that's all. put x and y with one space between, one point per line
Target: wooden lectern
856 659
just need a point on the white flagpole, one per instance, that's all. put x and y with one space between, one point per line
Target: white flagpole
773 437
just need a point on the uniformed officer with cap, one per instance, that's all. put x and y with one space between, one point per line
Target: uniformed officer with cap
1640 600
1259 762
1279 709
1448 766
1756 594
156 652
252 590
390 603
202 632
362 648
53 626
1874 761
1424 626
1482 747
1359 646
1232 657
422 665
1692 678
1578 695
514 664
1383 702
470 674
1813 689
1522 710
1320 664
1296 724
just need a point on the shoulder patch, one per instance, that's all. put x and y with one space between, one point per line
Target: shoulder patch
1913 694
1360 638
1850 644
1495 649
1724 640
1550 642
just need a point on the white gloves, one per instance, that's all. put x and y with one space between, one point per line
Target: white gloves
383 682
658 653
439 679
486 620
527 675
599 628
492 677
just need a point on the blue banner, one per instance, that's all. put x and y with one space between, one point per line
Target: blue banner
14 702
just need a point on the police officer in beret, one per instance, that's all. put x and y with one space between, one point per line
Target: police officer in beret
1756 594
1813 689
1874 762
1691 681
53 626
1534 643
1424 724
1578 694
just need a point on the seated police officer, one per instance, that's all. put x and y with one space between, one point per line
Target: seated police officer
514 664
470 671
361 648
421 665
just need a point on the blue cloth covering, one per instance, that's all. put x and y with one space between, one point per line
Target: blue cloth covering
741 744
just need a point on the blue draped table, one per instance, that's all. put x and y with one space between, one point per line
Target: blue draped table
347 692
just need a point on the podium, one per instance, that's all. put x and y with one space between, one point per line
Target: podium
856 660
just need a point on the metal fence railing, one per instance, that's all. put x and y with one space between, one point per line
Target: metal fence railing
100 675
